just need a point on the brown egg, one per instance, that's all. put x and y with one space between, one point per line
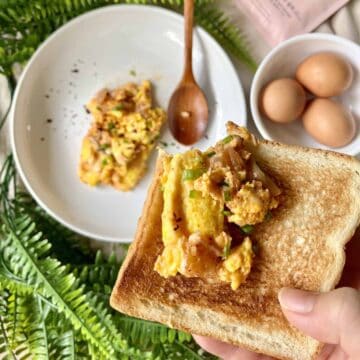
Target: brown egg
329 122
282 100
325 74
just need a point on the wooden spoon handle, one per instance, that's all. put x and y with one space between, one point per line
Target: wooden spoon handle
189 21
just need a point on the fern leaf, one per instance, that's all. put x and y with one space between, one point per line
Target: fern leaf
146 333
62 314
100 276
64 342
25 254
5 347
66 246
24 26
35 329
226 33
13 341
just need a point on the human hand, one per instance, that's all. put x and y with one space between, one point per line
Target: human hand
332 318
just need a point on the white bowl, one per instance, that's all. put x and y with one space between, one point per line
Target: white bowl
103 48
282 62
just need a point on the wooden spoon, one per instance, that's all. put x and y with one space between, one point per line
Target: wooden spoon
188 109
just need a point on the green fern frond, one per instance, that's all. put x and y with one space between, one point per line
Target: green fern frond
64 342
11 282
100 276
62 312
226 33
25 252
13 340
16 311
66 246
64 347
146 333
25 24
35 328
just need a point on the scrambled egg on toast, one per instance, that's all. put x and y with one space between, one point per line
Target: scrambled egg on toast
212 200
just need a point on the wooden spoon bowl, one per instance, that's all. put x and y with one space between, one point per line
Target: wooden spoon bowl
188 111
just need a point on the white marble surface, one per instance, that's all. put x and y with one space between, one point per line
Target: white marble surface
346 22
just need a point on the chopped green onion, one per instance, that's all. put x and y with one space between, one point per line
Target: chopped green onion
132 72
118 107
193 194
227 195
111 126
227 212
104 162
163 143
226 250
192 174
247 229
210 154
104 146
228 139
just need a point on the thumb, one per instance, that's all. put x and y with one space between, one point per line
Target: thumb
332 317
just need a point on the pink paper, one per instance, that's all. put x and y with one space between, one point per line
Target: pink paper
278 20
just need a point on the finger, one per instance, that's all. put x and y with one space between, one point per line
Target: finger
332 317
338 354
227 351
326 351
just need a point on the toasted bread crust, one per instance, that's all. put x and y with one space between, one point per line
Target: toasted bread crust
302 246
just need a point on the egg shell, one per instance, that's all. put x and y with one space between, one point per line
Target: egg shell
329 122
325 74
282 100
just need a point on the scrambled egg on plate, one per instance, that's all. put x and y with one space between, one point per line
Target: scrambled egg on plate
211 202
123 133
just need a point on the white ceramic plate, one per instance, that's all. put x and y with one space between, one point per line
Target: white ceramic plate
106 47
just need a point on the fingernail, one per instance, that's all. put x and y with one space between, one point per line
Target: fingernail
297 300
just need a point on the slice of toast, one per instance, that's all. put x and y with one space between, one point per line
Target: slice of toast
301 246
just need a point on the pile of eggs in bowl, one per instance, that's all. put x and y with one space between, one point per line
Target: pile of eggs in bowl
308 97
